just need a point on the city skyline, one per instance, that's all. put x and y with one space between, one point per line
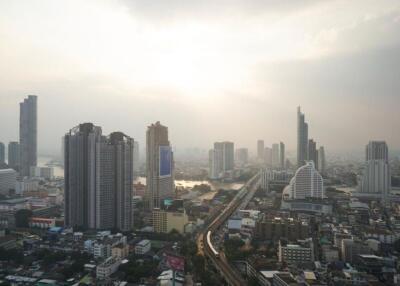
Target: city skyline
178 67
179 143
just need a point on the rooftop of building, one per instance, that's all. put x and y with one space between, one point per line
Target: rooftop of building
7 171
143 242
14 201
287 278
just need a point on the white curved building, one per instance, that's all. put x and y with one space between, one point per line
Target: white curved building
306 183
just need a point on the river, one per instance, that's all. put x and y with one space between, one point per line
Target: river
189 184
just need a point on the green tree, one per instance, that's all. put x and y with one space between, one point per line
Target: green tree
232 249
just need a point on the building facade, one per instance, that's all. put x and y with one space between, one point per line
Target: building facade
312 154
321 160
301 252
260 150
2 153
275 155
8 179
306 183
282 157
221 159
242 156
302 138
13 155
170 217
159 165
376 178
28 134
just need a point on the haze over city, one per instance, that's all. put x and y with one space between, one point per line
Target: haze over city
209 70
199 143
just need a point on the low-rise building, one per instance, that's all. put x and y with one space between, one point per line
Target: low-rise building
277 228
42 172
301 252
120 251
284 279
170 217
43 223
101 250
143 247
330 253
351 249
108 267
8 178
26 185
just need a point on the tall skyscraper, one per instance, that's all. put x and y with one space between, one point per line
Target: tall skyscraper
321 160
159 165
215 162
136 159
242 156
116 161
81 150
376 150
282 158
275 155
213 168
2 153
28 134
302 138
98 174
376 178
228 161
268 156
13 155
260 150
221 159
306 183
312 154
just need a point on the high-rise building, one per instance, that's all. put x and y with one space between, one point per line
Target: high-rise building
2 153
98 178
282 159
221 159
306 183
28 134
81 149
376 178
376 150
215 163
119 147
268 156
228 156
159 165
260 150
8 179
321 160
312 154
242 156
13 155
275 155
136 159
302 138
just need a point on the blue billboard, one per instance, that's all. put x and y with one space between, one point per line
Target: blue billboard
165 161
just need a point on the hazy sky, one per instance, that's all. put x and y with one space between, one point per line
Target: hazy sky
209 70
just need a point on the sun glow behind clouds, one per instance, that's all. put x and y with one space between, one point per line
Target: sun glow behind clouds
194 57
